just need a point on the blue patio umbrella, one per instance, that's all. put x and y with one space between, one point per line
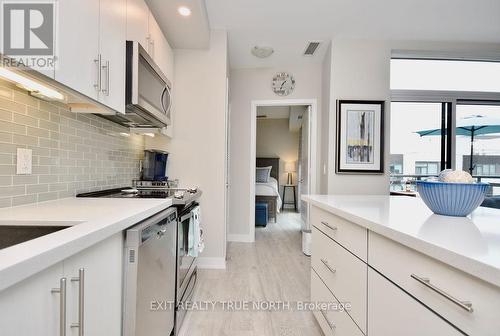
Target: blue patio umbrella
472 127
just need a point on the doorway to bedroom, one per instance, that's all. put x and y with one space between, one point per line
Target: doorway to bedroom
283 169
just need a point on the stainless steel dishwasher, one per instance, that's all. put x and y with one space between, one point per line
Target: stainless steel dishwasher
150 275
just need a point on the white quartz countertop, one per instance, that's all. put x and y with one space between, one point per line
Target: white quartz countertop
470 244
91 219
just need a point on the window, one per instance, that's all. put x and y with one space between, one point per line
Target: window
418 141
426 168
427 94
478 134
445 75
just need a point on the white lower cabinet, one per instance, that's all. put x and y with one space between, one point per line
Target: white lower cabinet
90 280
100 266
30 307
332 319
392 312
342 272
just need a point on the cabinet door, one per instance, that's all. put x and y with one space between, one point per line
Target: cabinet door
159 48
137 22
393 312
112 39
102 289
30 307
78 45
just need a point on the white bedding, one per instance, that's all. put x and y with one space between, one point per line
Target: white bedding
269 189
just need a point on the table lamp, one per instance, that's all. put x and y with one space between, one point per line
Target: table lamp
289 168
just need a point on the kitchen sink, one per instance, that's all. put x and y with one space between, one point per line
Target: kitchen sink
16 232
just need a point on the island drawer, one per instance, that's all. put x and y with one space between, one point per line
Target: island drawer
442 288
332 320
351 236
343 273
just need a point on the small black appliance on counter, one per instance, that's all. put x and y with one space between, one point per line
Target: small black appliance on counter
154 167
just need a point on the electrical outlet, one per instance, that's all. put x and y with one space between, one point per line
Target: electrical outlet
24 161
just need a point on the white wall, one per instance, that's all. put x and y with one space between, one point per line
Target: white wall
360 69
326 69
247 85
197 151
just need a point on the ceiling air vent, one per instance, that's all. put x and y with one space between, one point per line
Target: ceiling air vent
311 48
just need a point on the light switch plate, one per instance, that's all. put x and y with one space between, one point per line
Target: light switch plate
24 161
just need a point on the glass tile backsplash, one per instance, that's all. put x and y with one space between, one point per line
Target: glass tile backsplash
72 153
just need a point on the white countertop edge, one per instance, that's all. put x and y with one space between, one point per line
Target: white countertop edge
463 263
73 240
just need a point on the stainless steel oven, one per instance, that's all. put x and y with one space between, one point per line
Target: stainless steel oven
186 263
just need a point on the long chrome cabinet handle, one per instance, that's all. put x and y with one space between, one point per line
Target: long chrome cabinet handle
81 301
334 228
466 305
62 305
327 265
105 89
97 62
330 324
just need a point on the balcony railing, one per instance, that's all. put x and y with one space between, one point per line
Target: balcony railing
400 181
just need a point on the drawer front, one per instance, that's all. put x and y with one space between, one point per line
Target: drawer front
343 273
393 312
439 286
333 322
352 236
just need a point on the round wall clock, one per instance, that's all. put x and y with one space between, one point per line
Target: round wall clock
283 84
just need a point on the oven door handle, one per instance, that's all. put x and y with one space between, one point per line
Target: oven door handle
186 216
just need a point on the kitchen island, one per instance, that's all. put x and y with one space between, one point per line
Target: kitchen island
403 269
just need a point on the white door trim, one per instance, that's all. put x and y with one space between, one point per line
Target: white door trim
313 141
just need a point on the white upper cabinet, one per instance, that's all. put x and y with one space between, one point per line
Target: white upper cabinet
92 49
112 39
159 48
78 46
137 22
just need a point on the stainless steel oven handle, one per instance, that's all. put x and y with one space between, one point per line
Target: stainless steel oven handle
186 216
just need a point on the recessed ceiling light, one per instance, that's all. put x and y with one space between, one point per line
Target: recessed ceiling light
262 52
184 11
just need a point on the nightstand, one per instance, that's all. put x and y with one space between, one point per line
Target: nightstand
285 187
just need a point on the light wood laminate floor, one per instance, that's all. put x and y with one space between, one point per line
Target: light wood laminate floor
271 269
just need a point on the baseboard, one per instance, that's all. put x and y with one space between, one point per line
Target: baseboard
211 263
240 238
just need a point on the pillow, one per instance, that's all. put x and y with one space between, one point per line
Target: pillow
262 174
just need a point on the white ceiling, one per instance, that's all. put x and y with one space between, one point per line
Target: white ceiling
190 32
287 25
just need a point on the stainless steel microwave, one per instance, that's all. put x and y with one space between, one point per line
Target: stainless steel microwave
148 92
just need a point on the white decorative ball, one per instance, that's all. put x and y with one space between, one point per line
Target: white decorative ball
455 176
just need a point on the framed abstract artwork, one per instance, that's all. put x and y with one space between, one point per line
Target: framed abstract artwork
360 137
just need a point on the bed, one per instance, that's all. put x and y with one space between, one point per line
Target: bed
269 192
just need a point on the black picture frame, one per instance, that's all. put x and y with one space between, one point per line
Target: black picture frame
341 168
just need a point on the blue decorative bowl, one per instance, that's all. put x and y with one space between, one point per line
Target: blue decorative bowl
452 199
